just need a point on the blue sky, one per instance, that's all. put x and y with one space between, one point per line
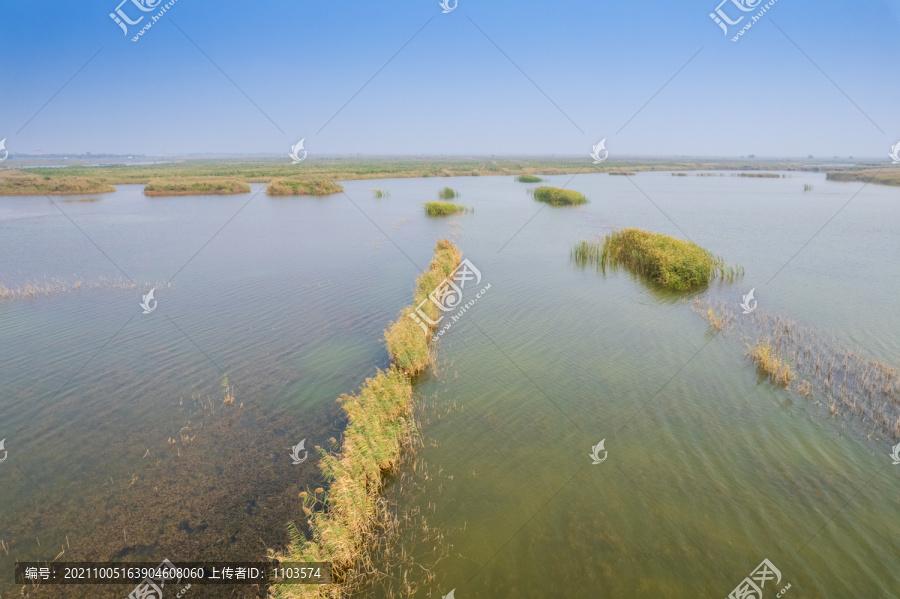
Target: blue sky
451 91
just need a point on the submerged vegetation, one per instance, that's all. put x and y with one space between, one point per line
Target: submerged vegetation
306 187
443 208
190 187
767 359
830 373
381 424
674 263
448 193
380 193
54 285
559 197
528 179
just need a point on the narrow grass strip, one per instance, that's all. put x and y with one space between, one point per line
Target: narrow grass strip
381 425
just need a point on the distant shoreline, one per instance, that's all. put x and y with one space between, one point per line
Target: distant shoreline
313 175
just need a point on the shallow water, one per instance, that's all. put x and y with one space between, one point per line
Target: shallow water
704 479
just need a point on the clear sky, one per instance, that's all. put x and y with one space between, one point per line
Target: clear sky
258 76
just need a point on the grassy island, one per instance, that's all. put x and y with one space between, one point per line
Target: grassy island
292 187
674 263
195 187
559 197
448 193
528 179
443 208
20 183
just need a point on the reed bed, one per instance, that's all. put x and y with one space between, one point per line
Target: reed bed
846 381
448 193
673 263
343 522
623 173
778 369
559 197
760 175
381 193
807 187
190 187
528 179
54 285
444 208
310 187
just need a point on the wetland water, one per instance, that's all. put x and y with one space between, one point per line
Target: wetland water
703 480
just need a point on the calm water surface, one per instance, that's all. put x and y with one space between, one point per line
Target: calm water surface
710 468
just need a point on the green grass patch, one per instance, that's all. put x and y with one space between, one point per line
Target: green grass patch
448 193
528 179
559 197
188 187
673 263
443 208
381 193
292 187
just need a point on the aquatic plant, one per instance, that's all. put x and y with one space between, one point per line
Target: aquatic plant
443 208
293 187
846 380
528 179
184 187
807 187
380 415
447 193
559 197
767 359
674 263
381 193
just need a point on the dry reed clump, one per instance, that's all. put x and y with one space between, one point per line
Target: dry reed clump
674 263
342 522
779 370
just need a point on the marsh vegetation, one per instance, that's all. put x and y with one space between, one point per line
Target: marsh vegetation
444 208
190 187
296 187
559 197
845 381
673 263
342 522
528 179
448 193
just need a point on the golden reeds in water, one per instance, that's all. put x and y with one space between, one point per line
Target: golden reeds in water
342 521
